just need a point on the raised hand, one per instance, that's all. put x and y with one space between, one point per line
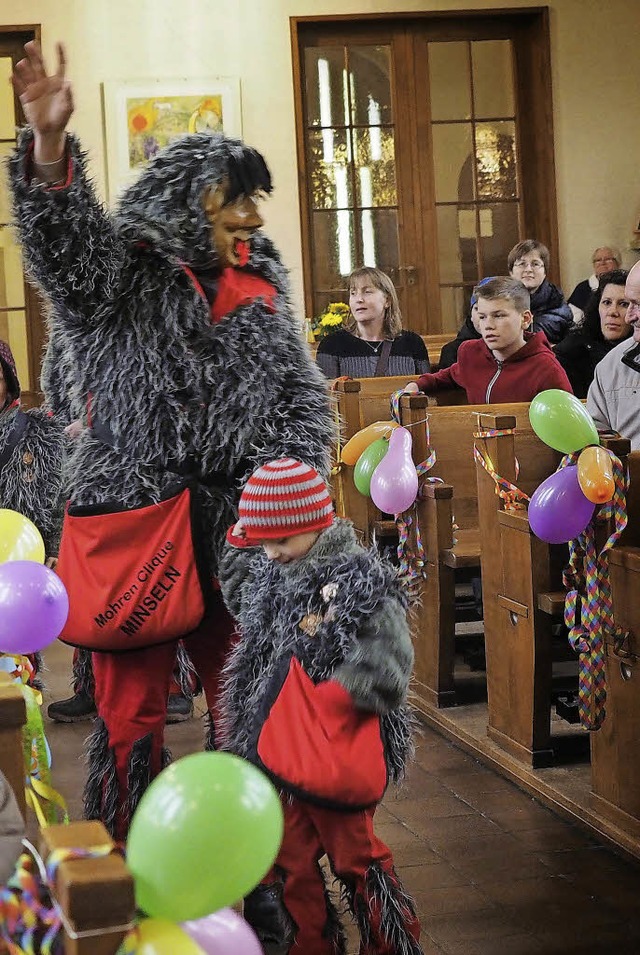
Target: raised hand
46 100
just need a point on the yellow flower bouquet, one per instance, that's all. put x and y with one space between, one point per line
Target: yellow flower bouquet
331 320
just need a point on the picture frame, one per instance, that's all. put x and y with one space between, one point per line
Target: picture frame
142 116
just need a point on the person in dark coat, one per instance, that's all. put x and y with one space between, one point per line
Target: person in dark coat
468 332
602 328
528 262
605 259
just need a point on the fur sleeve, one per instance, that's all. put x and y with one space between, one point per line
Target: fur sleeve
69 245
377 673
236 571
301 424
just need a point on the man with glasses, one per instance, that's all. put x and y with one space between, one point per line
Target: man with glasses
604 259
528 262
614 396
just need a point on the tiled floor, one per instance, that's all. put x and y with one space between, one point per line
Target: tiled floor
491 870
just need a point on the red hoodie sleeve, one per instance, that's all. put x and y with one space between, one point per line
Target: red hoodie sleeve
439 380
555 377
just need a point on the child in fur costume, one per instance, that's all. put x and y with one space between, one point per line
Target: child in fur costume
317 610
31 453
173 316
31 458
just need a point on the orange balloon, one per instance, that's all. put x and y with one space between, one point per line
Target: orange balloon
595 475
361 441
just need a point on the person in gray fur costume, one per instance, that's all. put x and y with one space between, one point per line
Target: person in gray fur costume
173 315
310 601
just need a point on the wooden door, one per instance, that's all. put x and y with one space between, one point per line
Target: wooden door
425 147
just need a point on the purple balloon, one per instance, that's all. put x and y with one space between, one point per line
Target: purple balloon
558 510
34 606
223 933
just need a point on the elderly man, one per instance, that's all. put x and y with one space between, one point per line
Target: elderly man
614 396
604 260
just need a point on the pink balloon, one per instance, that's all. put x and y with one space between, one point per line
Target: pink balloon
394 483
34 606
223 933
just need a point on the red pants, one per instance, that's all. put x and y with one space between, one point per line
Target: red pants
131 698
362 862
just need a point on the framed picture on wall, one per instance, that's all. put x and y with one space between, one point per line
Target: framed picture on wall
143 116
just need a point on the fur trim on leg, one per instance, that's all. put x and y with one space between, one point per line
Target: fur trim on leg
166 757
82 675
333 929
38 667
185 674
386 903
210 738
139 772
101 788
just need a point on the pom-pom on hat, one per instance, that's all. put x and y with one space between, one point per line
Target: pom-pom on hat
283 498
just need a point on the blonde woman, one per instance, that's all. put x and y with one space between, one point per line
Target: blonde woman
373 344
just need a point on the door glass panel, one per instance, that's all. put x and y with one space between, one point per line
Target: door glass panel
379 239
457 243
452 305
7 102
496 160
492 79
375 167
329 156
370 72
449 80
11 277
13 329
325 86
452 161
499 232
334 245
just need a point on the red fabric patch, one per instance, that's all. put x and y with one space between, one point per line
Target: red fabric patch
131 576
242 248
315 740
236 288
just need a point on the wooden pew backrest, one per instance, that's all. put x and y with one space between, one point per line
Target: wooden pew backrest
452 436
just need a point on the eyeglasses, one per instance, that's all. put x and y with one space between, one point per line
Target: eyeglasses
520 264
609 258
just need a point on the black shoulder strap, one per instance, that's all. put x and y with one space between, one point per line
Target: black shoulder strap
383 361
20 425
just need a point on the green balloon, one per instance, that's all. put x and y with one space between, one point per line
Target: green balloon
562 421
205 832
367 463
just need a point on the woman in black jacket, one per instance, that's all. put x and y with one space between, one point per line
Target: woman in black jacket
602 328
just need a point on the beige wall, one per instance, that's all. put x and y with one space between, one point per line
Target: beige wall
595 82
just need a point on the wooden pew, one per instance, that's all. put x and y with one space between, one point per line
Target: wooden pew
451 435
95 896
615 747
521 577
360 402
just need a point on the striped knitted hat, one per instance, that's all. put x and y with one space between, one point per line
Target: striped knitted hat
283 498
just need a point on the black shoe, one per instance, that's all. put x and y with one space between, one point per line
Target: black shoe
265 912
179 708
80 706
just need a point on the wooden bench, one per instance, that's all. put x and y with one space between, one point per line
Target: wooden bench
521 582
96 896
615 747
447 550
